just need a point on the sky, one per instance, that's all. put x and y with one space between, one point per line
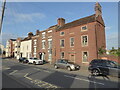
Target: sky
23 17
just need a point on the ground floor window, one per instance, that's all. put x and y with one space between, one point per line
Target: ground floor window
62 55
85 56
50 54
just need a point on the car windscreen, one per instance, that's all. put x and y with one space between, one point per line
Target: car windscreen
35 58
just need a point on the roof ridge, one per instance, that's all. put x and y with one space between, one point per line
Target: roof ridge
82 18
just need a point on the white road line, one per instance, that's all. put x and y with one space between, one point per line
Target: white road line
84 80
26 74
13 72
43 70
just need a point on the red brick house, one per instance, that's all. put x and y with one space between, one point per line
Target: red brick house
80 40
77 41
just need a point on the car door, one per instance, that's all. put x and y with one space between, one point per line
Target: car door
103 67
113 69
30 60
64 64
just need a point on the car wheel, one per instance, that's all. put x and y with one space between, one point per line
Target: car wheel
55 66
34 63
69 68
95 72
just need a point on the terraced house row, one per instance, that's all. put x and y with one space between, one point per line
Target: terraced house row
77 41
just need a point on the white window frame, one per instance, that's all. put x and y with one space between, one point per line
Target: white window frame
87 57
70 41
61 55
43 34
61 33
49 36
82 40
48 43
49 31
83 29
61 42
43 41
35 49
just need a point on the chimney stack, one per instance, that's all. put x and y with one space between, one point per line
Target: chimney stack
37 32
61 21
98 9
30 34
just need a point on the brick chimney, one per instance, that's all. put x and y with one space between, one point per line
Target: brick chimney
98 9
37 32
61 21
30 34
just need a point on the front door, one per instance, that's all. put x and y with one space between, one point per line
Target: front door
43 56
49 54
72 57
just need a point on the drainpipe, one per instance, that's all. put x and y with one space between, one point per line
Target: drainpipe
96 40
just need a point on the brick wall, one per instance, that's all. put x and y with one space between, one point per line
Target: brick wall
110 57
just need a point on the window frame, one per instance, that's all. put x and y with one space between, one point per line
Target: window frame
73 42
82 40
83 29
61 43
87 57
61 33
43 41
61 55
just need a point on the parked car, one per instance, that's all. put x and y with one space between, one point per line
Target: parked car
35 61
104 67
63 63
23 60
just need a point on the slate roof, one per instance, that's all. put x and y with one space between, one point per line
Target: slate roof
78 22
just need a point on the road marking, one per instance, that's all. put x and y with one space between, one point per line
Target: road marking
39 82
47 71
43 70
84 80
13 72
5 68
26 75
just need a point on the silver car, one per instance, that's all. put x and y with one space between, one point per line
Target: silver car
63 63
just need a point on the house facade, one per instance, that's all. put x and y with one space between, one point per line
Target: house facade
10 48
79 41
43 45
17 48
26 46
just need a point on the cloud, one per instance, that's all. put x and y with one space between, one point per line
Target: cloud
18 17
107 28
69 13
112 40
6 36
22 17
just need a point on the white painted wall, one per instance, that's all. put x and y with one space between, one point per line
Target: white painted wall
26 48
7 49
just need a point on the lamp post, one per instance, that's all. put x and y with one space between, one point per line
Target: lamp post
3 10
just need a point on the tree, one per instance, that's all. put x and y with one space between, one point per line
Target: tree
118 52
101 51
113 51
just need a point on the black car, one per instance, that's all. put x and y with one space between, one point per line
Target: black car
104 67
23 60
64 63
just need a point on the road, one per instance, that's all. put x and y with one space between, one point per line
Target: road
18 75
